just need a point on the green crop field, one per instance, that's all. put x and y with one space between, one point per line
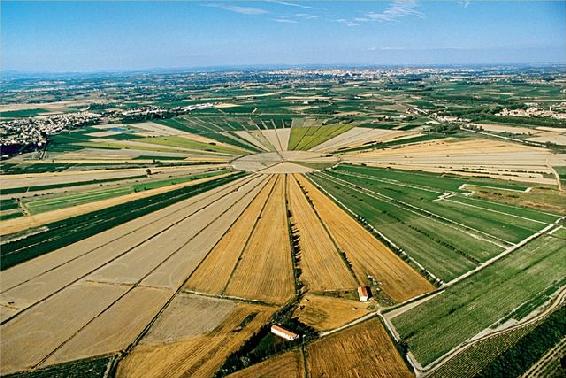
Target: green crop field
500 225
62 233
510 353
525 276
304 138
10 208
37 188
561 174
449 236
479 355
23 113
40 205
36 206
443 251
175 141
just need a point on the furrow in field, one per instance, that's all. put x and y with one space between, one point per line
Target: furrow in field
122 320
130 267
265 271
223 258
133 232
27 340
271 136
109 256
368 256
197 355
321 265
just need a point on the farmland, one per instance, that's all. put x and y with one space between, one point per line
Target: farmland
429 216
468 307
260 275
324 312
495 356
361 350
368 257
286 365
307 136
192 211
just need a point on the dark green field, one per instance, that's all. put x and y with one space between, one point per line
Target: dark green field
494 293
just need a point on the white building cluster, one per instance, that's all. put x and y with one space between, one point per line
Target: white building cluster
34 131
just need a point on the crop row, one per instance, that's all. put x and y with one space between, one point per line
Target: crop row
40 205
62 233
444 251
484 298
495 224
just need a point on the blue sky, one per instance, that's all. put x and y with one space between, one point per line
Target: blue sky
90 36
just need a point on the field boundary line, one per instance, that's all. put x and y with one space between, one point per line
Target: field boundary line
449 199
130 232
294 249
380 236
138 284
124 352
230 298
466 229
249 236
347 263
109 262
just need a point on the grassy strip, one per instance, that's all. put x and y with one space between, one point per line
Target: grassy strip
15 214
36 206
442 182
185 124
62 233
159 157
176 180
482 300
96 367
177 141
9 204
18 169
26 189
23 113
393 143
321 134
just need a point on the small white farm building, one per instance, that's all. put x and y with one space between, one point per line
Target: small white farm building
283 333
364 293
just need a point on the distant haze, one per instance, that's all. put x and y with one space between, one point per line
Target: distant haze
91 36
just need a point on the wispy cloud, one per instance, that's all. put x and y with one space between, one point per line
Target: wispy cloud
306 16
385 48
285 21
249 11
396 10
346 22
290 4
